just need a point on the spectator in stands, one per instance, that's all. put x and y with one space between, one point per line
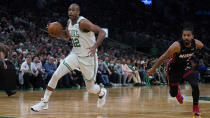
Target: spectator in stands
50 68
134 74
14 60
105 73
106 64
99 79
127 72
114 75
29 73
77 78
118 68
202 69
142 72
39 82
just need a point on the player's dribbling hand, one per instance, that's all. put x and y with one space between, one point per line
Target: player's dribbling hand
92 50
151 71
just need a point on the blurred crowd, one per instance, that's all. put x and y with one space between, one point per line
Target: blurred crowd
36 55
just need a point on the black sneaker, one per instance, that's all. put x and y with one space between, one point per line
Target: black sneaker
10 92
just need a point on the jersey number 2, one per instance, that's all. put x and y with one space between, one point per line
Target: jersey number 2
76 42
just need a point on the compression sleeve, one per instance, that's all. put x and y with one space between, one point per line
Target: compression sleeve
205 49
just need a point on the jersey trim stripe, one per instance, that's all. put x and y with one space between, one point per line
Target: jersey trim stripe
67 65
188 73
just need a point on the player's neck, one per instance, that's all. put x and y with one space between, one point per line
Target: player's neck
75 20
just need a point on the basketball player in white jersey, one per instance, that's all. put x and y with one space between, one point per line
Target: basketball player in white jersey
83 55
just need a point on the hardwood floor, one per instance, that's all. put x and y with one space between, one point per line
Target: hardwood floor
138 102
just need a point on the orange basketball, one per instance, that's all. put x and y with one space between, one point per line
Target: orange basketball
54 29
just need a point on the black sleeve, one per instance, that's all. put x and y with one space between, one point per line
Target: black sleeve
205 49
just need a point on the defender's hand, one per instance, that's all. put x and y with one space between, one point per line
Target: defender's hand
150 72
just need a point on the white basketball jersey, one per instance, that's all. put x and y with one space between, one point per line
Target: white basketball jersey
81 40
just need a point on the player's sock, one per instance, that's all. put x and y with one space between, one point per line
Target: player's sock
47 95
52 85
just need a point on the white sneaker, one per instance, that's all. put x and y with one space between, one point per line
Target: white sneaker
102 99
42 105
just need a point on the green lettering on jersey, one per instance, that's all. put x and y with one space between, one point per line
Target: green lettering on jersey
74 33
75 38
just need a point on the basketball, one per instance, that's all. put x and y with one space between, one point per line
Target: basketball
54 29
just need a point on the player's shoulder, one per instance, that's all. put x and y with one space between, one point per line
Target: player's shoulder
82 19
175 47
198 43
176 44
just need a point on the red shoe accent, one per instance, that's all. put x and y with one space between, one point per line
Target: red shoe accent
179 98
196 110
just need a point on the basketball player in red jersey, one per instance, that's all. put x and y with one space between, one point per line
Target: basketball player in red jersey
182 65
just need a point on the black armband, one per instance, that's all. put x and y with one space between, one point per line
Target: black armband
205 49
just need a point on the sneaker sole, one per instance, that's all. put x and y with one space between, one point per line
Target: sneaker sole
34 110
196 114
45 109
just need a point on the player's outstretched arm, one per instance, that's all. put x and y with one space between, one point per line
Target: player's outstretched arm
174 48
86 25
201 46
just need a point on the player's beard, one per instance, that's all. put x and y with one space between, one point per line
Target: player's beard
187 42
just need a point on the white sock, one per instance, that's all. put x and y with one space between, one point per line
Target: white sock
101 93
47 95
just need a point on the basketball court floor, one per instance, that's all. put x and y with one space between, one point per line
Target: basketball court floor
125 102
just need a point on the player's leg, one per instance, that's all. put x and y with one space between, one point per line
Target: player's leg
173 81
192 78
89 67
94 88
175 92
68 64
